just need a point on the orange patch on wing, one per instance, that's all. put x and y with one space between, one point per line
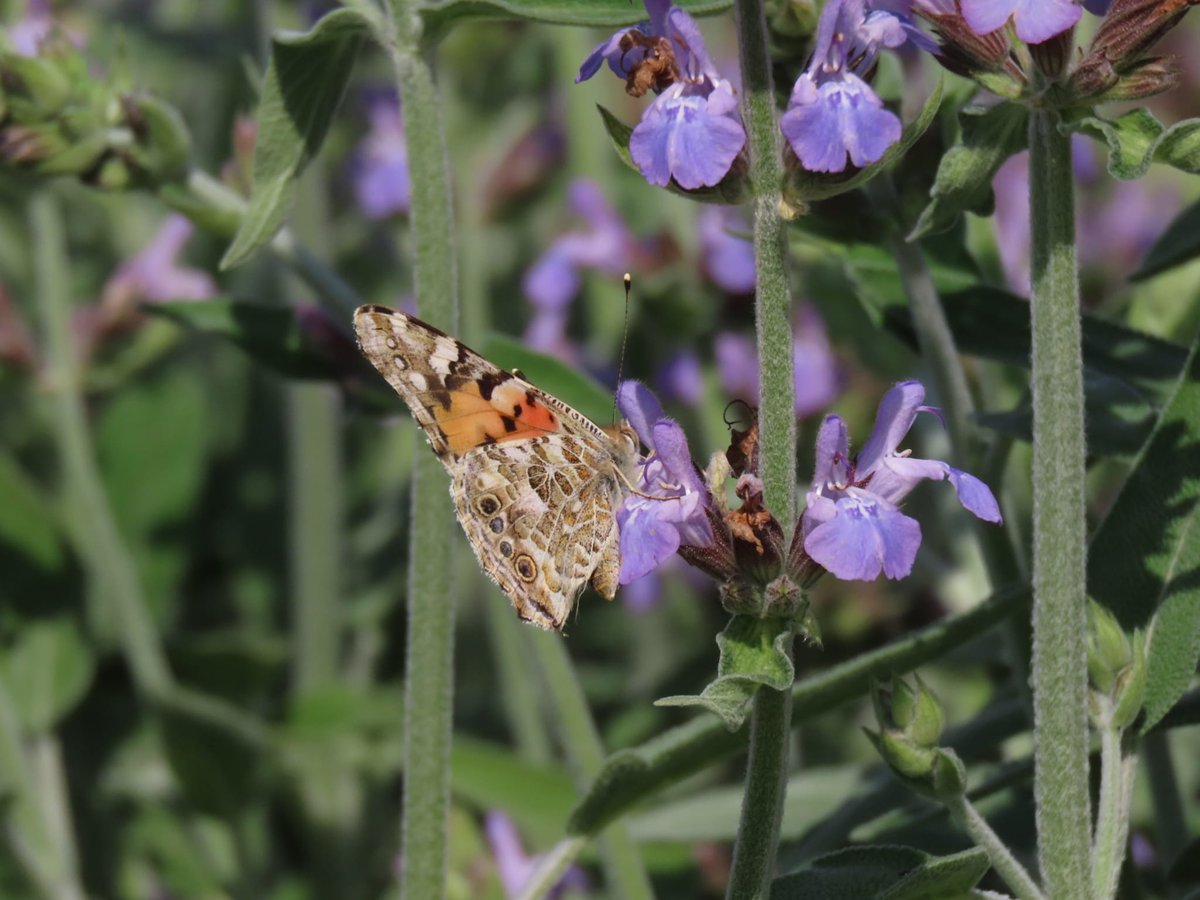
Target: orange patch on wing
510 414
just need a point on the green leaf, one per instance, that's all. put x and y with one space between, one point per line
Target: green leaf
568 384
754 654
1137 139
438 17
1144 561
47 671
802 186
488 776
1179 244
964 176
713 815
26 526
216 768
270 335
884 873
304 84
732 189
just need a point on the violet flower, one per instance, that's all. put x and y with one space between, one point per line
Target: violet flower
817 378
681 380
691 133
833 113
1035 20
551 283
379 166
155 274
853 525
669 509
28 32
726 256
515 866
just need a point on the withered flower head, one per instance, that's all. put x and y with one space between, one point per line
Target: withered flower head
655 69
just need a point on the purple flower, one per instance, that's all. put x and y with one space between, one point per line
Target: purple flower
1036 20
726 256
852 524
515 866
691 133
817 380
551 283
669 509
28 32
380 163
155 274
833 113
681 380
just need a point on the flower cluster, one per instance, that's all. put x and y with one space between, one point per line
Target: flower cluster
852 526
692 134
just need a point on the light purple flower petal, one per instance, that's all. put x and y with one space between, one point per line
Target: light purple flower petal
642 595
737 366
380 163
831 452
609 51
1036 20
975 496
1097 7
680 137
647 540
640 408
553 281
727 258
897 410
866 536
513 865
843 117
681 379
671 445
815 367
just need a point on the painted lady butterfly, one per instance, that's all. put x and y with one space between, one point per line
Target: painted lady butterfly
536 485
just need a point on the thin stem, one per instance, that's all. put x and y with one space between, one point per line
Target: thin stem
585 756
1118 765
762 802
773 304
1170 818
429 669
94 529
1006 865
1059 532
550 870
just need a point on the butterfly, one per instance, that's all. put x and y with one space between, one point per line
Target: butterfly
536 485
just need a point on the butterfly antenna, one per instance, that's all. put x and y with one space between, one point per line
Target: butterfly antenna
624 341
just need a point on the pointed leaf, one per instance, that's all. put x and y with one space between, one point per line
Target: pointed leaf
884 873
1144 561
964 176
1179 244
304 84
1137 139
47 671
754 653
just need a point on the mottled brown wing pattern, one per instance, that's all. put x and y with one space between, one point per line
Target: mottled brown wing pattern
535 484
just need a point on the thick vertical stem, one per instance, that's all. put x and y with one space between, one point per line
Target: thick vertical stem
773 305
1059 527
762 802
94 529
429 670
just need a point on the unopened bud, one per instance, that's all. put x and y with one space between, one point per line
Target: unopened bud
1132 27
1108 648
36 88
1129 692
1052 56
162 145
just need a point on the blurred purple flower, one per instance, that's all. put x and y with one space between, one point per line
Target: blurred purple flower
515 866
833 113
672 512
379 165
643 594
681 380
551 283
155 274
852 524
691 133
817 380
726 256
1035 20
28 32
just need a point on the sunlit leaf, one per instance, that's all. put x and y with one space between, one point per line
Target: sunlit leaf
47 671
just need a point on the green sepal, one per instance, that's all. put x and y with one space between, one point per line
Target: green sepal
801 186
754 653
163 146
1129 691
733 189
43 89
1109 651
1136 139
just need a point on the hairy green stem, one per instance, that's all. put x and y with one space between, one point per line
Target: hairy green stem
429 670
762 803
1118 766
1059 525
772 298
585 755
94 529
1001 858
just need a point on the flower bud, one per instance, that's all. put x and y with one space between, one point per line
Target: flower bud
36 88
162 145
1052 56
1130 689
984 58
1108 648
1133 26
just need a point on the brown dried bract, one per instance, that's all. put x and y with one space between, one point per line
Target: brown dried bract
657 69
743 445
